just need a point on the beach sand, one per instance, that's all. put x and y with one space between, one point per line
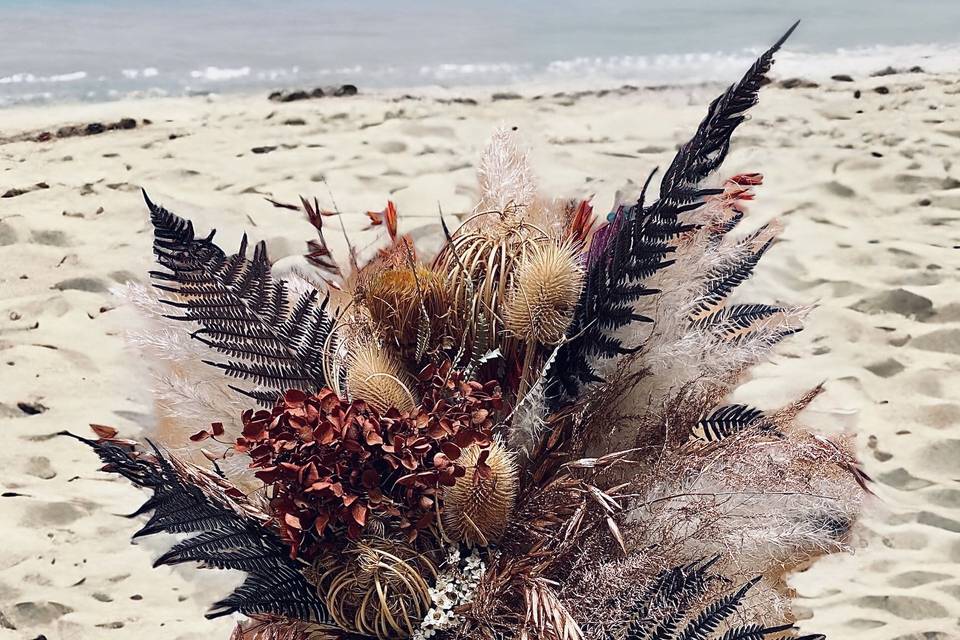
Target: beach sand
867 185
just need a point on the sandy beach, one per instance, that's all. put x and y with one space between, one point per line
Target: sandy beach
863 174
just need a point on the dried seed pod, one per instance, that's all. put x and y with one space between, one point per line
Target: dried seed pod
375 375
376 587
400 300
545 291
476 508
481 263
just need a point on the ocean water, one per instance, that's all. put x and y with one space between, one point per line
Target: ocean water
68 50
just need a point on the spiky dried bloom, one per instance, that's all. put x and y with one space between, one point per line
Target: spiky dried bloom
276 628
376 587
482 264
477 508
410 304
545 291
376 376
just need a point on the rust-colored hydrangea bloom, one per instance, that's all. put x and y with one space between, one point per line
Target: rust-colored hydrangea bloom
330 465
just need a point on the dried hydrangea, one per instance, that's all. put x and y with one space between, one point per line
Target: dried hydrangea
330 464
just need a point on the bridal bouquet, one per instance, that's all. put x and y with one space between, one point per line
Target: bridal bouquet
524 436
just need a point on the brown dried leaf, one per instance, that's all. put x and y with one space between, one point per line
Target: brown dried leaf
103 431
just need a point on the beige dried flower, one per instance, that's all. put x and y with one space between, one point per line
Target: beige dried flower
476 508
375 375
545 291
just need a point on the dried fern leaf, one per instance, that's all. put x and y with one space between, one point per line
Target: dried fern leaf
230 535
242 312
725 421
636 244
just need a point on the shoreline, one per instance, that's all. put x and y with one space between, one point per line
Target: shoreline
946 62
58 114
603 71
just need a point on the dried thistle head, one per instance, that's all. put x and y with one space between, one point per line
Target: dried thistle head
375 374
477 507
401 299
545 291
376 587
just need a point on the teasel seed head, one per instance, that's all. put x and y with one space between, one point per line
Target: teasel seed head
375 375
477 507
545 290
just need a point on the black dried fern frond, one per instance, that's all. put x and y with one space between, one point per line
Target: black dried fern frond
723 280
637 243
671 609
673 590
726 420
705 151
242 312
226 538
735 318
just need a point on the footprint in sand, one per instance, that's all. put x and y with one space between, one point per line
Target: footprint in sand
39 467
885 368
901 540
8 235
942 340
392 146
939 416
52 514
913 184
840 190
863 624
38 614
909 579
940 522
949 498
906 607
941 455
899 301
91 285
50 238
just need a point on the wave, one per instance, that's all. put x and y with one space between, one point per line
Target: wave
647 70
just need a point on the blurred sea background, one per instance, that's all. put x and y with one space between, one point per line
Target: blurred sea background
81 50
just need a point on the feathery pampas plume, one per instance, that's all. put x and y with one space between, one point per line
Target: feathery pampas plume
550 393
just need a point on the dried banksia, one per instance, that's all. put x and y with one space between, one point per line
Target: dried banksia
476 508
376 587
545 291
409 304
375 375
482 263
